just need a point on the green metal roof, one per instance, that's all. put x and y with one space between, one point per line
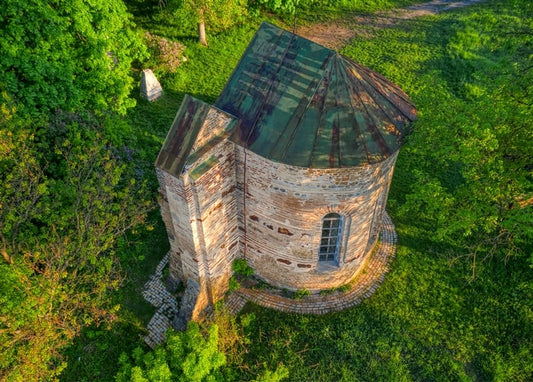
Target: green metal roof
296 102
177 148
302 104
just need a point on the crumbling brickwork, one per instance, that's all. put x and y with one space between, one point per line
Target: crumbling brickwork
200 212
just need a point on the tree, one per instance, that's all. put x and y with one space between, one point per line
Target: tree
218 15
68 54
66 196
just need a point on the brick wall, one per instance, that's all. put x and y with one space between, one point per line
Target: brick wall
233 203
284 210
216 213
200 214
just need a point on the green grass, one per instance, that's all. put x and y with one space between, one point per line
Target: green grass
324 11
426 322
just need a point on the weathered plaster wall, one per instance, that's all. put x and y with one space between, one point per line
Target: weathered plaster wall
284 209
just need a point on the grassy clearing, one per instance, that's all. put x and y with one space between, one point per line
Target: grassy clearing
426 322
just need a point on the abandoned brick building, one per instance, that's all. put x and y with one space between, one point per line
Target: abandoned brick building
289 169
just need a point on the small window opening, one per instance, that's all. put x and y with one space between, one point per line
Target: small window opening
330 241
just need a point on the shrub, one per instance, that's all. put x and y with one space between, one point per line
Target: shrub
241 268
190 356
165 54
233 284
301 293
344 288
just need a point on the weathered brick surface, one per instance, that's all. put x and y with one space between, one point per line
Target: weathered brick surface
363 286
200 212
285 206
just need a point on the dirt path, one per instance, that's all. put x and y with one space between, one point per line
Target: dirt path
337 33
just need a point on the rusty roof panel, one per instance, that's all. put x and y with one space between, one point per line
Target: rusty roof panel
181 136
177 150
302 104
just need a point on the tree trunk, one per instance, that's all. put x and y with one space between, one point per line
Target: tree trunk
201 32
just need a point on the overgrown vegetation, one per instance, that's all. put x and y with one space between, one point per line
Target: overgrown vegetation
76 180
186 356
71 184
197 354
61 56
301 293
241 268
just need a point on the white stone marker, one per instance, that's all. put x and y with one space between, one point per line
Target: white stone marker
150 87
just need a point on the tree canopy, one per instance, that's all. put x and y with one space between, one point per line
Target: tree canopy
66 198
68 54
471 175
215 15
69 187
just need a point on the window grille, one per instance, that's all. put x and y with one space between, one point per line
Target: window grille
330 241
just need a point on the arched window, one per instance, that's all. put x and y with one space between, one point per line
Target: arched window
330 241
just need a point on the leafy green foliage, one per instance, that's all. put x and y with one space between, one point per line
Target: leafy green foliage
281 6
311 10
240 267
94 352
68 55
233 284
70 186
301 293
165 54
214 15
342 289
66 198
277 375
198 354
186 356
476 183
